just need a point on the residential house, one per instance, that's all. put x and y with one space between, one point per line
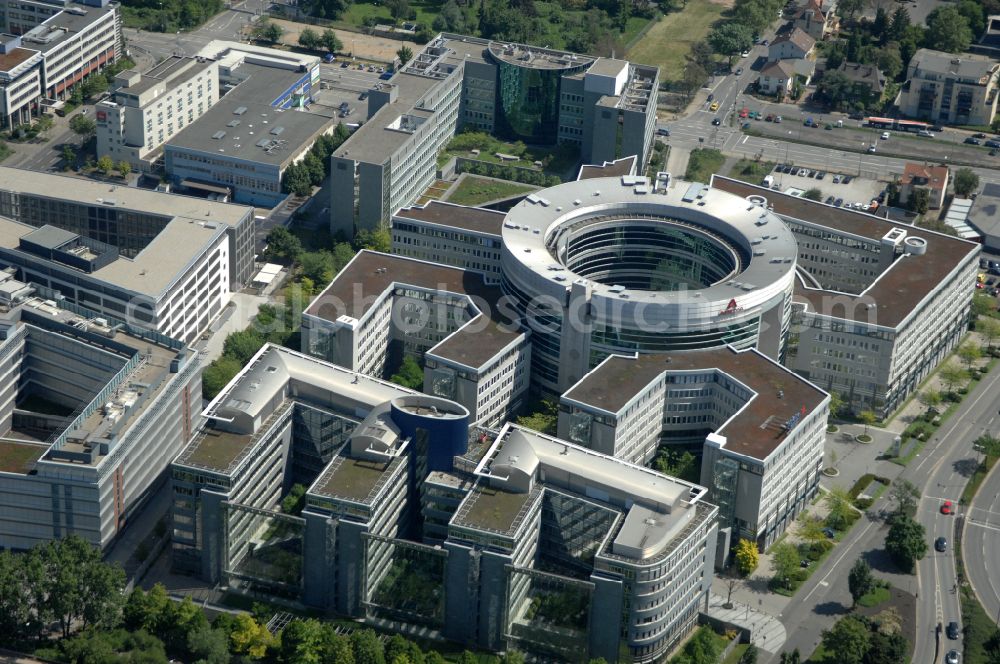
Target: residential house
797 44
814 21
776 78
920 176
947 88
865 80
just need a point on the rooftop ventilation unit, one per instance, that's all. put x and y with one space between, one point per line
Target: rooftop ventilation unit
277 130
219 134
240 111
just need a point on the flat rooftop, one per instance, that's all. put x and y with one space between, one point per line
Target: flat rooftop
153 270
450 215
19 458
244 125
616 168
354 480
101 194
14 57
985 211
175 70
374 142
494 509
900 289
359 285
755 430
65 25
535 57
147 379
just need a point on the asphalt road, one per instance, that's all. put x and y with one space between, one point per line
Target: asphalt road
981 540
227 25
940 471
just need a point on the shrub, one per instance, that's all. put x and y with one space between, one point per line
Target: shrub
861 484
864 503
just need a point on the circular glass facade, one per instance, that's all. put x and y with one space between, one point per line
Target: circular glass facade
650 255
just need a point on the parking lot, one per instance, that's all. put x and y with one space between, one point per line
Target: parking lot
849 190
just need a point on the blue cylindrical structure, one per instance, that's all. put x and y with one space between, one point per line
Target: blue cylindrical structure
438 428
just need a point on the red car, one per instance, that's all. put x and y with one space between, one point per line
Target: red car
946 507
744 112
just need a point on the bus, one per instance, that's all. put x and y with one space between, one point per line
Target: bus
911 126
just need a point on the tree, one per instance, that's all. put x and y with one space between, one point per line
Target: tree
249 638
367 647
847 640
930 398
867 418
905 494
948 30
330 41
890 61
730 39
295 500
44 123
812 529
68 157
749 655
512 657
966 182
974 14
405 54
218 374
919 200
886 648
410 374
677 463
297 180
952 374
694 77
124 168
303 641
813 194
451 18
785 559
544 420
989 328
836 404
105 165
399 9
376 240
271 32
82 125
899 24
209 646
747 557
309 39
282 244
905 542
848 8
314 168
969 353
987 445
860 580
840 510
242 345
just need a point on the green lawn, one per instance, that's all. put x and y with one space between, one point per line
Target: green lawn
667 43
734 656
476 190
751 171
875 597
703 163
978 626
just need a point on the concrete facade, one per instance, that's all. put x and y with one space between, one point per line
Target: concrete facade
605 106
419 519
92 411
147 109
948 88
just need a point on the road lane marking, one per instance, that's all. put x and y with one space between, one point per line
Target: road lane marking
972 522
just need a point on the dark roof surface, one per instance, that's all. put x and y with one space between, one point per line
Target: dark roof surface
355 290
900 289
618 167
456 216
755 431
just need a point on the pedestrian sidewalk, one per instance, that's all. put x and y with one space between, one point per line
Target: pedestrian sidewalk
766 631
677 161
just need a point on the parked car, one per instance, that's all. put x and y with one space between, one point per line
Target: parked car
363 96
830 532
777 119
838 202
925 133
829 200
836 179
979 135
821 175
769 118
739 71
744 112
952 630
871 148
711 96
992 143
663 131
885 136
803 172
714 107
972 140
846 179
937 128
745 125
329 58
344 65
744 54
